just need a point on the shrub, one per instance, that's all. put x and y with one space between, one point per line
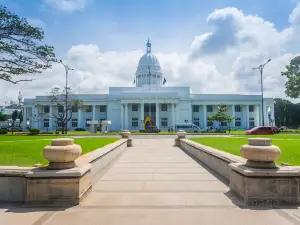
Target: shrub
34 131
46 132
80 129
56 132
2 131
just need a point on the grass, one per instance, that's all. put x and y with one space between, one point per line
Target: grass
28 151
288 144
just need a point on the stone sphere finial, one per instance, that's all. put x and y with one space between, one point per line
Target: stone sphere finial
260 153
62 153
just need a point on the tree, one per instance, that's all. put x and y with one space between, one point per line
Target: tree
292 73
20 117
287 113
3 117
21 51
229 119
14 117
64 111
220 115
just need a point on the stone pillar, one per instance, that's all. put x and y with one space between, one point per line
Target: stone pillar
173 116
233 115
126 116
256 117
24 124
79 118
34 118
50 118
157 115
94 112
204 117
181 134
272 115
122 116
142 116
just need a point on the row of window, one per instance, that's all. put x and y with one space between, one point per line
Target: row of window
163 122
135 107
75 108
209 108
74 123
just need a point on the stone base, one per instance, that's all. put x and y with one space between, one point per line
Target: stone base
265 187
58 188
129 142
177 142
261 165
61 165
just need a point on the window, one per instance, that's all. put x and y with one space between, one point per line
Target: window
251 108
46 122
209 108
135 122
59 123
164 122
60 109
134 107
46 109
102 108
88 108
86 122
237 108
74 108
74 122
223 124
195 108
196 122
251 122
237 121
164 107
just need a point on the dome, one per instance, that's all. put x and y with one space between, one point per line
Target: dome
149 60
148 70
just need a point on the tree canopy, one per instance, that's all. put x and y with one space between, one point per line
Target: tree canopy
292 73
21 50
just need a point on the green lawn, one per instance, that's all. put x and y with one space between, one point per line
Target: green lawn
27 150
288 144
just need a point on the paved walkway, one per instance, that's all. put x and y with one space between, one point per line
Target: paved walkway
155 183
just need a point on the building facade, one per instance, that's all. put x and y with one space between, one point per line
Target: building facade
150 103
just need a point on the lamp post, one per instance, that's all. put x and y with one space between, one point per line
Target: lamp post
67 68
261 68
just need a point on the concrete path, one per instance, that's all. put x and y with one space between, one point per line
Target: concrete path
155 183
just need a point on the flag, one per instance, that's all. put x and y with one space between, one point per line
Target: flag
164 80
134 81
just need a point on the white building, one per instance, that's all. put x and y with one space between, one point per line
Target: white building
151 102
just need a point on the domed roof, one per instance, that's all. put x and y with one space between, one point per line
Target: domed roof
148 65
149 60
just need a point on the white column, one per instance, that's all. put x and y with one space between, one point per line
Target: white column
191 114
247 116
272 115
50 118
33 118
24 125
157 115
126 116
142 116
256 117
122 116
173 116
79 118
94 112
204 117
177 113
233 115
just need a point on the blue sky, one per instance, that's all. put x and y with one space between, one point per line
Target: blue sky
209 45
125 25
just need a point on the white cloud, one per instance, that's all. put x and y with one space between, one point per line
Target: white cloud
66 5
217 62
